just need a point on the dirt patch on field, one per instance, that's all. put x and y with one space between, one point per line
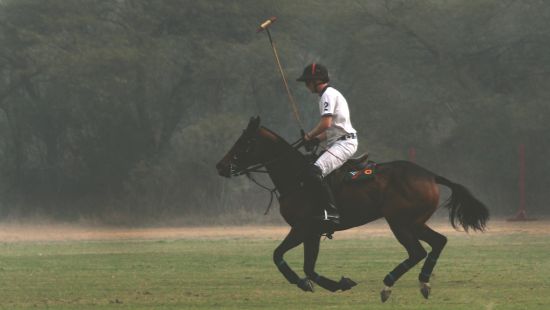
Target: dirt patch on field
65 232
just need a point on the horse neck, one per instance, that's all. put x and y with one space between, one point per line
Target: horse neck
284 165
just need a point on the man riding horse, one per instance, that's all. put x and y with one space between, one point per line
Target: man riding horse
335 128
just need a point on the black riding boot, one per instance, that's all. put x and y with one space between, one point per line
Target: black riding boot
329 211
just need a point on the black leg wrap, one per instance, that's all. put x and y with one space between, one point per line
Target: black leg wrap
390 279
288 273
428 267
395 274
326 283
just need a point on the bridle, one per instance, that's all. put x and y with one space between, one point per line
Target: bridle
262 168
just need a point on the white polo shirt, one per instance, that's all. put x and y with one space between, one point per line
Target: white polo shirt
333 103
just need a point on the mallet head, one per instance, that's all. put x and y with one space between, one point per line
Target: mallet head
266 24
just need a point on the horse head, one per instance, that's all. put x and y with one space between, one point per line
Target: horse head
244 153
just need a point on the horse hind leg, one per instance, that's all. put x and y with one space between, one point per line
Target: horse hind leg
407 238
437 241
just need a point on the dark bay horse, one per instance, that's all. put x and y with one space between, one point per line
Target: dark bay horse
405 194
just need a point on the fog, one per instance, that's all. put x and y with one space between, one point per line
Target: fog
115 113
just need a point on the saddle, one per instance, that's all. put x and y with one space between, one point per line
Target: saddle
359 169
357 163
354 170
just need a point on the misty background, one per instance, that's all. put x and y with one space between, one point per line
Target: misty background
118 111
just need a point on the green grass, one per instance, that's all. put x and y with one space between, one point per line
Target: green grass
475 272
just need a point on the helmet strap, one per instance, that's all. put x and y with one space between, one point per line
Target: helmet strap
319 85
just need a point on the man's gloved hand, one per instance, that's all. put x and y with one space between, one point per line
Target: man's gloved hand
310 144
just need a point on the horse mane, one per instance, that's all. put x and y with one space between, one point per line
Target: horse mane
273 136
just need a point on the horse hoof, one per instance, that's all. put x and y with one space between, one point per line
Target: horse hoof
385 293
425 289
346 283
306 285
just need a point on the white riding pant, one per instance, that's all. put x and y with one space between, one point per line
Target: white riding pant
336 155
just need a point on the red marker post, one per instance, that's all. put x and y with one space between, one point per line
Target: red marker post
521 215
412 154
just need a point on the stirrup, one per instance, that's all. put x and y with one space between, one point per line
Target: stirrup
327 225
334 219
328 235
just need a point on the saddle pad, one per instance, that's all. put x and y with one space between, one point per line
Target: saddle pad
366 173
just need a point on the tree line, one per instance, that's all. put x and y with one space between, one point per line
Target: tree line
119 110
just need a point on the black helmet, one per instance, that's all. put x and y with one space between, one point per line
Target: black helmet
314 72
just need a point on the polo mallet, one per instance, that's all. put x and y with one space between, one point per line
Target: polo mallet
265 26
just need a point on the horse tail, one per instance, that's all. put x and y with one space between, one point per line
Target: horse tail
464 208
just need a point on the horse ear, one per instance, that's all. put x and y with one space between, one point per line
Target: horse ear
250 123
253 124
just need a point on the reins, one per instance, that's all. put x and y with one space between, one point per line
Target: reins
272 191
259 168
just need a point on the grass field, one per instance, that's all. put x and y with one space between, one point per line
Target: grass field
499 270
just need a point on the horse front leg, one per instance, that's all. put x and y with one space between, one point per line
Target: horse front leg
292 240
311 252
